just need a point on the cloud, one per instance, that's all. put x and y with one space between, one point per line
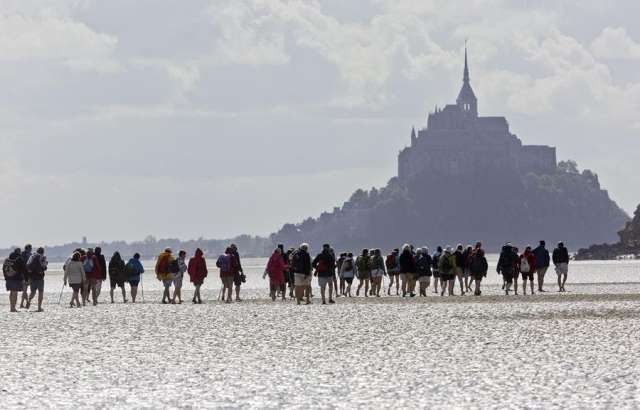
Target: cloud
615 43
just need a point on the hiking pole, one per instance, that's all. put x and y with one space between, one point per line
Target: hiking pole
60 297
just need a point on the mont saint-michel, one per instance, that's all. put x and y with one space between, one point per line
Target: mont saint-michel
467 177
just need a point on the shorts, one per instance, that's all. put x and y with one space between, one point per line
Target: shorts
177 281
76 286
134 282
508 277
447 276
562 268
527 275
477 276
424 279
364 275
37 284
14 285
167 282
227 281
302 280
116 282
377 273
324 280
436 273
348 280
459 272
542 271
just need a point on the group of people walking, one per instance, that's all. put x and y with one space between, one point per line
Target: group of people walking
406 268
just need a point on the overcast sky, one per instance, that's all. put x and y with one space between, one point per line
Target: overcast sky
194 118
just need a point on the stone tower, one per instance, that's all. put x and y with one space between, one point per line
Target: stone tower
467 100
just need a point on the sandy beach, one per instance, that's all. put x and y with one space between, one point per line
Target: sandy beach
573 350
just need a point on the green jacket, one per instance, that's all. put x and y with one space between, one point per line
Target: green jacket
447 270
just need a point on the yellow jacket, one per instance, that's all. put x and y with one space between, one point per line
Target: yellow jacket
162 266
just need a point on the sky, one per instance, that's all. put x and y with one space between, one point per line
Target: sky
208 118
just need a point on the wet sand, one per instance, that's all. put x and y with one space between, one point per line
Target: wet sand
573 350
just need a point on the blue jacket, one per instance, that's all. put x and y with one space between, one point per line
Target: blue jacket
542 257
137 269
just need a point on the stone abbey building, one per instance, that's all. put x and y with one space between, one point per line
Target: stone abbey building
457 141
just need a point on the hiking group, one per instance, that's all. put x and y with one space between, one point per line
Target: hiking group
406 269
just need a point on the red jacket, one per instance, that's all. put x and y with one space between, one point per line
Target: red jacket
276 267
96 272
197 267
531 258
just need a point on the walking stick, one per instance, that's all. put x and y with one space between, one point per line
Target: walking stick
60 297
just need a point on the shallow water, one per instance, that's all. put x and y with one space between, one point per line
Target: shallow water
573 350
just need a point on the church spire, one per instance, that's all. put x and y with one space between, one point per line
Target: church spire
465 77
413 135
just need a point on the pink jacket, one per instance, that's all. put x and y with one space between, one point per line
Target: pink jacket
276 267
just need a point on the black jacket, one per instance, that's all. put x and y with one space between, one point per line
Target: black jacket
301 262
560 255
407 262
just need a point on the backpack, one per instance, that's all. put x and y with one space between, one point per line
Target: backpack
524 265
390 262
347 265
446 264
321 266
363 264
477 264
8 268
130 270
296 262
224 263
174 266
88 265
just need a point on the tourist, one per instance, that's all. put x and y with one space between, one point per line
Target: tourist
561 261
285 258
75 276
407 271
301 268
239 277
228 265
163 273
478 267
36 266
92 270
466 271
542 263
325 265
178 276
275 269
459 271
339 263
103 269
506 266
290 275
347 272
423 266
197 270
378 271
527 267
476 248
437 279
393 270
447 268
13 270
117 275
134 271
363 272
25 256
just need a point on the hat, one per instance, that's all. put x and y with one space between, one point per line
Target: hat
448 249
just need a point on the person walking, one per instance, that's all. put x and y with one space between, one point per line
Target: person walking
339 262
423 266
239 278
478 268
347 272
437 279
407 271
325 265
527 268
13 270
25 256
363 272
117 276
542 263
516 269
301 268
459 271
37 266
103 269
275 269
466 271
285 258
447 269
228 266
393 270
178 268
506 266
75 276
378 271
92 269
163 273
134 270
197 270
561 261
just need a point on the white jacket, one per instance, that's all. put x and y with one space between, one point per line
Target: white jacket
74 272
